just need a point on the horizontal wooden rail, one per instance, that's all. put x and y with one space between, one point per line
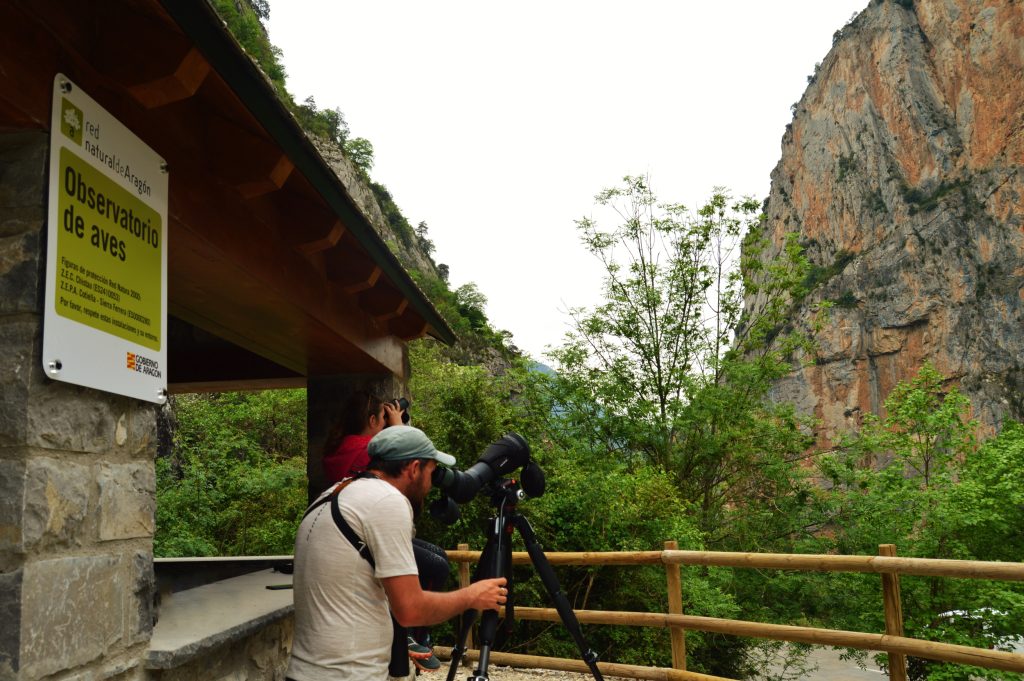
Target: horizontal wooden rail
889 566
572 558
945 652
930 567
560 664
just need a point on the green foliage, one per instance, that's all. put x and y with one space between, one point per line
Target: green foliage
916 479
243 20
328 124
399 224
593 504
666 376
425 244
607 506
922 201
235 482
461 407
847 164
875 201
463 309
261 8
661 374
846 300
360 151
820 274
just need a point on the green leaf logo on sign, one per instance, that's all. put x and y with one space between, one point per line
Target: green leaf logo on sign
71 121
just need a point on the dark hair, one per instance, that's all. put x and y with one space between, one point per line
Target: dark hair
354 417
391 468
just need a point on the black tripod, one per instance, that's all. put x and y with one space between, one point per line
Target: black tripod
496 561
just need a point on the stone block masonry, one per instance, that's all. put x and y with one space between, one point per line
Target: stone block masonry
72 612
77 480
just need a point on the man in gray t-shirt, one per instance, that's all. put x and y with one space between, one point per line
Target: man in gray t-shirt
342 623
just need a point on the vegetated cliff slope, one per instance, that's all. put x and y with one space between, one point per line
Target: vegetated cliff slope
410 254
903 175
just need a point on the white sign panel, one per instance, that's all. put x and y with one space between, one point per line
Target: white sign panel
105 313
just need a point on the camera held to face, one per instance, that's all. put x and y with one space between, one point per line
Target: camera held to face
402 405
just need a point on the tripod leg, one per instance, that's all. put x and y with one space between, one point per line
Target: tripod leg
468 618
547 576
495 561
483 570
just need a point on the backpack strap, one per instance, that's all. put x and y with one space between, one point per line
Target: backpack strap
399 663
339 520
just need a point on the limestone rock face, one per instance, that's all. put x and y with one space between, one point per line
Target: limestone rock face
903 174
362 195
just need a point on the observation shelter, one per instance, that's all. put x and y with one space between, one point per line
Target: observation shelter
165 227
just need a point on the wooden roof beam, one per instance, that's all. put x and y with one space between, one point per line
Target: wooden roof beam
409 325
349 268
327 241
382 302
183 83
303 223
247 160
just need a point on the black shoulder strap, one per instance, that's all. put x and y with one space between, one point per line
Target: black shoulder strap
340 521
399 664
349 533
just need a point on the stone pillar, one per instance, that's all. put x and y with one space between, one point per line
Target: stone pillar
325 397
77 483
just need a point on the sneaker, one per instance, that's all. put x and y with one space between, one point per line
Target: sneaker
423 657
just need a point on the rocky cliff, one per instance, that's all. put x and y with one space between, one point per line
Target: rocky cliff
411 255
902 175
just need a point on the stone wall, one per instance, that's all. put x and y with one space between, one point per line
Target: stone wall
77 482
261 657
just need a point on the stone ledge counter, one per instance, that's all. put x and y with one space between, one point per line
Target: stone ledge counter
196 621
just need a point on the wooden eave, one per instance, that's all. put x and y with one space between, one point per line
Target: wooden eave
269 258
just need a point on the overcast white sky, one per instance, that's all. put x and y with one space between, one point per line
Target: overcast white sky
497 123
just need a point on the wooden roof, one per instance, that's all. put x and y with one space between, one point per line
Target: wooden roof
274 274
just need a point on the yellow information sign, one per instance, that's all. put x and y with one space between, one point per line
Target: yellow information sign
108 255
106 296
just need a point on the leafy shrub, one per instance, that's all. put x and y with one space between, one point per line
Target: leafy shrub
235 480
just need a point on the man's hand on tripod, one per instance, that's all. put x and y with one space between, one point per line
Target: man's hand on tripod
488 594
414 607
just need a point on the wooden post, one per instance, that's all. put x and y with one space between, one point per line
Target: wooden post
463 583
675 607
893 614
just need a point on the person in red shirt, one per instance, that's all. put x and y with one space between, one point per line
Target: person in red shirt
346 455
364 416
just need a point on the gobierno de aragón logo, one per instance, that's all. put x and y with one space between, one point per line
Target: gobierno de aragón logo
143 365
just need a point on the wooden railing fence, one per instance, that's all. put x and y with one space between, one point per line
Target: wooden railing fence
887 564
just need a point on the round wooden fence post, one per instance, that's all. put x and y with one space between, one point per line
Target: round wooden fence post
675 607
893 614
463 583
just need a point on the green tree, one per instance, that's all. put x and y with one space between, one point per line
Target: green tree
663 372
426 245
916 479
360 151
243 20
234 482
589 505
669 374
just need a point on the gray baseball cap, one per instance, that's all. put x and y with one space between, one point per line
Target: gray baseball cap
399 443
